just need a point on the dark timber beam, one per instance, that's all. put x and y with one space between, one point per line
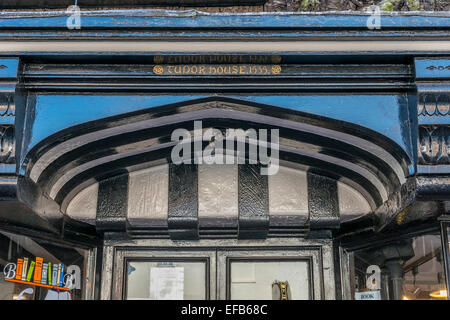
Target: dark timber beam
112 203
253 202
183 202
323 203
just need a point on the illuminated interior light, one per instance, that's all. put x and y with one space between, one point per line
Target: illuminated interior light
439 294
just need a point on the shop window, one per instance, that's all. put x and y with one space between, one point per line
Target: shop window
410 269
424 277
35 269
270 280
166 280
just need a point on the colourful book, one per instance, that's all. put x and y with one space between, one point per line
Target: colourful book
24 269
19 269
30 271
54 274
61 279
38 270
59 275
49 274
44 273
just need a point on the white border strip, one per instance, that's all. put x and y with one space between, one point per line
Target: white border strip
98 45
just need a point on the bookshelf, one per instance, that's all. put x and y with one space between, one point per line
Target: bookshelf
37 284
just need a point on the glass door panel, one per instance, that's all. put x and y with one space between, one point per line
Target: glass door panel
259 274
166 280
151 274
267 280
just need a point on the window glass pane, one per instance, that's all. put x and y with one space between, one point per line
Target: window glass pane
166 280
409 269
448 237
424 277
40 284
263 280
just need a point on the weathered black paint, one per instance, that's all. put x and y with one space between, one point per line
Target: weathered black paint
139 139
183 202
323 202
112 203
253 202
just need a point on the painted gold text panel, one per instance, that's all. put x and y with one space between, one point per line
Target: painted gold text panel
216 69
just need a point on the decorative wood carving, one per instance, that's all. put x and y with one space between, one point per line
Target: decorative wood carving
7 106
434 143
433 104
7 144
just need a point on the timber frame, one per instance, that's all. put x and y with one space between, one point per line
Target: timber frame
393 85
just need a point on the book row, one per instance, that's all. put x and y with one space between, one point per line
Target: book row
40 272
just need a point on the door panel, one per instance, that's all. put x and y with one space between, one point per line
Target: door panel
166 279
164 275
256 279
250 274
237 273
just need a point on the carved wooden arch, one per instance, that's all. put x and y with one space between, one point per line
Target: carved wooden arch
69 160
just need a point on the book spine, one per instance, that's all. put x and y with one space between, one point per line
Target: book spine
62 276
30 270
54 274
19 269
58 275
50 273
44 273
24 269
38 270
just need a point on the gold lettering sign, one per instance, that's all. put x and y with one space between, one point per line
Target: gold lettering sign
216 59
216 69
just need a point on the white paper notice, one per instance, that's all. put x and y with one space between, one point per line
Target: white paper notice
167 283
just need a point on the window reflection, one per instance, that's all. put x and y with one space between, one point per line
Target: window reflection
410 269
424 277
